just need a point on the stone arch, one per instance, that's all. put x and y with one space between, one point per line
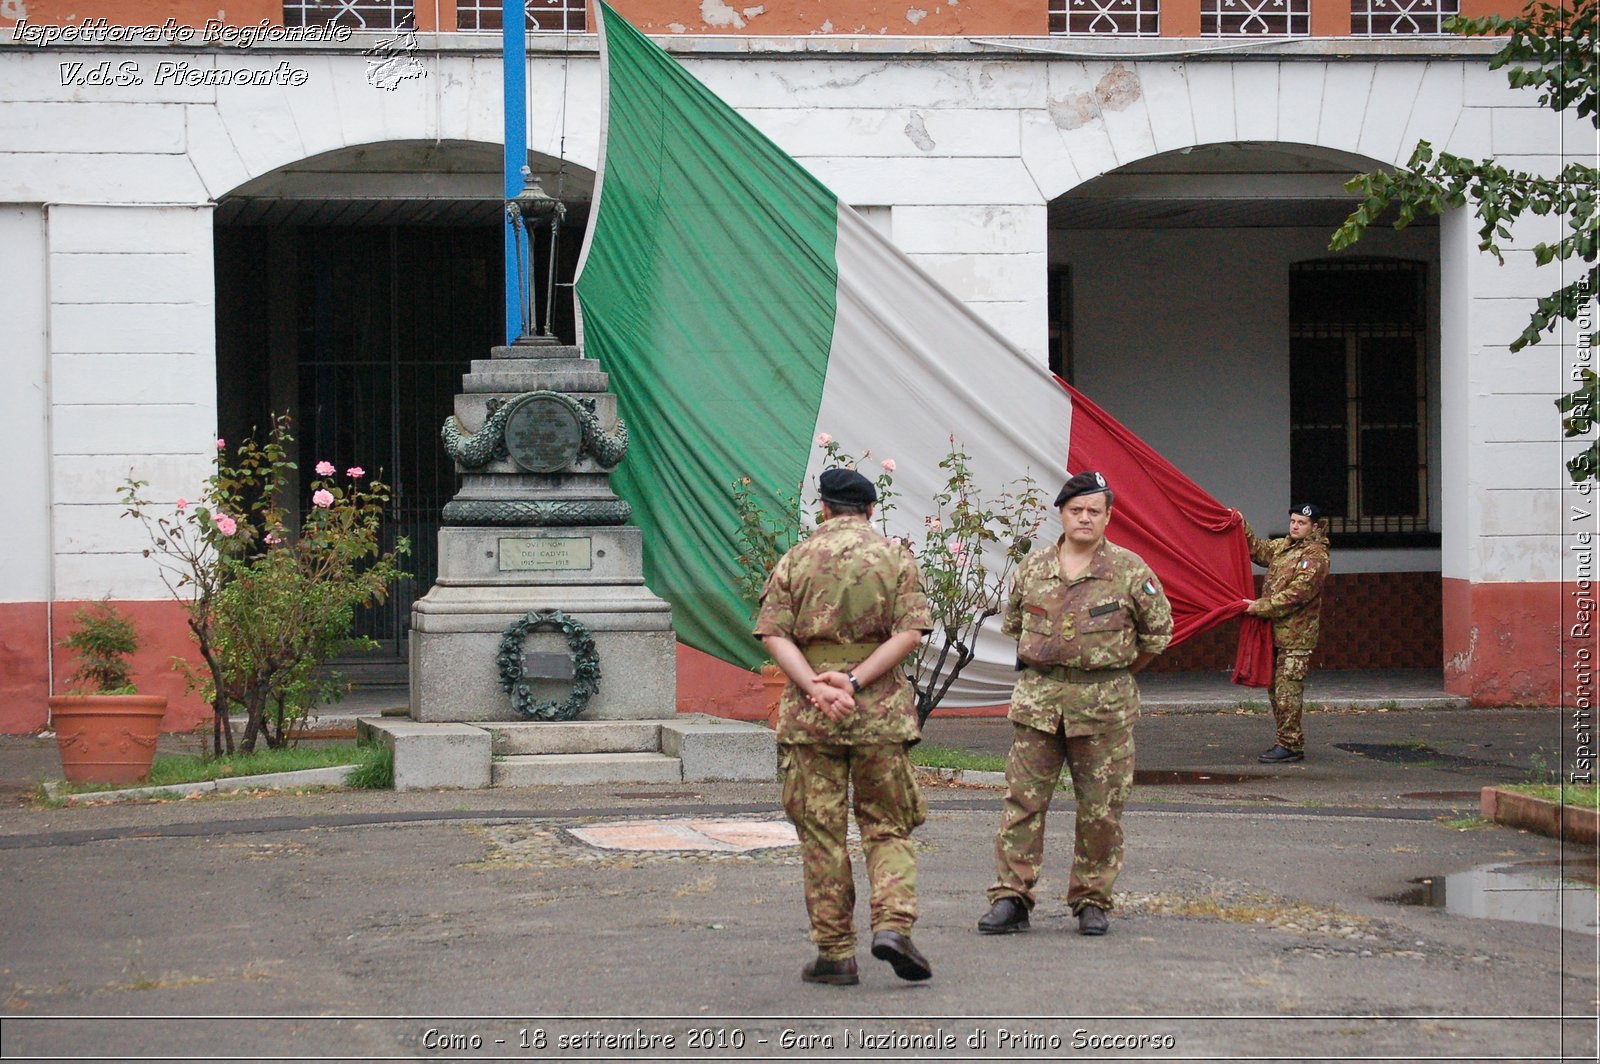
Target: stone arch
1102 116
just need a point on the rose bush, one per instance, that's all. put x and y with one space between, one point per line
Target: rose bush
269 604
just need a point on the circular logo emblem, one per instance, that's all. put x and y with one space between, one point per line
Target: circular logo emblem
543 435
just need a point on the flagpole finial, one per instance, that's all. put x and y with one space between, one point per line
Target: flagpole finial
532 207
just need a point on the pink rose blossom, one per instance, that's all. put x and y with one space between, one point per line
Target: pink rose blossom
221 443
355 472
934 524
226 525
324 469
183 504
823 439
888 465
273 539
895 540
322 498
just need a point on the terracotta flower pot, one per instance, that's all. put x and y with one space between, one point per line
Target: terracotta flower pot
107 738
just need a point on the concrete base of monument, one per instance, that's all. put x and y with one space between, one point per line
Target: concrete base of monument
688 748
456 637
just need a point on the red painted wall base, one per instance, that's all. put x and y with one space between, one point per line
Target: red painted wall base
1519 644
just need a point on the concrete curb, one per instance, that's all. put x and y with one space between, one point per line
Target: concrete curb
1542 817
332 776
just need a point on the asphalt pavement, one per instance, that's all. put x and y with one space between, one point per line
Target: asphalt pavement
1347 907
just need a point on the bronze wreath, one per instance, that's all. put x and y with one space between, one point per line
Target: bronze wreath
580 648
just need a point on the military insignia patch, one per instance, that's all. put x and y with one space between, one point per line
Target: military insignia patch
1149 587
1303 564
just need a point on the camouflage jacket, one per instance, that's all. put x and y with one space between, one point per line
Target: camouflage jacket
1291 597
1099 621
846 585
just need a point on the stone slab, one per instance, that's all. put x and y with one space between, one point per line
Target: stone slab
571 770
575 737
454 675
713 748
432 755
555 377
610 554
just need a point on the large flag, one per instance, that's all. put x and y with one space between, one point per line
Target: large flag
741 310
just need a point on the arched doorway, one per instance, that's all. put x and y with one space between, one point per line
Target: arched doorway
353 291
1193 295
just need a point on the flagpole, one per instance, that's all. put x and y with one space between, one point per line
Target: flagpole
514 82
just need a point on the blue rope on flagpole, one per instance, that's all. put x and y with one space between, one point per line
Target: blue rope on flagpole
514 82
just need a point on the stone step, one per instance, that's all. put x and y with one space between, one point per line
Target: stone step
575 737
536 351
534 770
574 377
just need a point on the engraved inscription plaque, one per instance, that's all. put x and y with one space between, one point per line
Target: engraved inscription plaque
534 553
543 435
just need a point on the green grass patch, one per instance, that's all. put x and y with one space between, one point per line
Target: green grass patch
171 769
375 771
929 755
1465 823
1584 797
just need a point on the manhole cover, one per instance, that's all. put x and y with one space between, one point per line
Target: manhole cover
716 835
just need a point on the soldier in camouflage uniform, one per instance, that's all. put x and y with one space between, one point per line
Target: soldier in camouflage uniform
1087 615
839 614
1291 598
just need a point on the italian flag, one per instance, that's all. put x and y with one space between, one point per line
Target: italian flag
742 310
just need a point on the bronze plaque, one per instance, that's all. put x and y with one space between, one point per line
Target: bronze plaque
543 435
533 553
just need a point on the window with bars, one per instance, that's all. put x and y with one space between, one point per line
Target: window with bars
356 14
544 16
1382 18
1127 18
1245 18
1358 396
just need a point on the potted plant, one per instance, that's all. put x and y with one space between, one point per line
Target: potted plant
106 731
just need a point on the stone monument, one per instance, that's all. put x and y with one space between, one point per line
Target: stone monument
539 656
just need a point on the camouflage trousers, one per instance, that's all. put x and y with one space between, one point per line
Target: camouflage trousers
1288 696
1102 776
888 804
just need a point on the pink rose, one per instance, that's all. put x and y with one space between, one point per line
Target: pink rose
888 465
324 469
823 439
226 525
355 472
322 498
273 539
221 443
183 504
934 524
896 540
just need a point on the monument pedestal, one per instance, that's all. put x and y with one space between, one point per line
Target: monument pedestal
537 530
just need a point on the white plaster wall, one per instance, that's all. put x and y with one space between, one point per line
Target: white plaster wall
967 153
133 382
24 406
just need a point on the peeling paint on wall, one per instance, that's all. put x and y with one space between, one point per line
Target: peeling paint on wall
915 15
677 27
1074 111
826 27
1118 89
917 132
13 9
752 12
717 13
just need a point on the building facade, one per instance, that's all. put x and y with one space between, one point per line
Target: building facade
270 213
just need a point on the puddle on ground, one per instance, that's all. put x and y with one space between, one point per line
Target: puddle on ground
1414 754
1161 777
1534 892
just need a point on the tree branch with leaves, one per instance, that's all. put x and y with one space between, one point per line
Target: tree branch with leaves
1551 49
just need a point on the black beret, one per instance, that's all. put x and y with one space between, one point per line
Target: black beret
1082 484
1308 509
846 486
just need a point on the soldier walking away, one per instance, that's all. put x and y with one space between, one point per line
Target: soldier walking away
839 613
1291 598
1087 615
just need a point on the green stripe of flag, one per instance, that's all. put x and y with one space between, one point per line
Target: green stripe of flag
708 291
